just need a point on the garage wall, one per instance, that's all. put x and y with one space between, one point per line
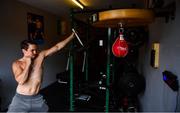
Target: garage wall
158 96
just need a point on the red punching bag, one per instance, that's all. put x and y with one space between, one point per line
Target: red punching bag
120 46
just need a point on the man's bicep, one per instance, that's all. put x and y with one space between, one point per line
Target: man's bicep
16 69
50 51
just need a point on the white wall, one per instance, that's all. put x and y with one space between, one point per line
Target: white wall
158 97
13 29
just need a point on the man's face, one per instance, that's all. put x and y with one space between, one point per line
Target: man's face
31 52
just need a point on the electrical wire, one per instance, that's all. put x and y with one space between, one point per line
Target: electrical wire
177 100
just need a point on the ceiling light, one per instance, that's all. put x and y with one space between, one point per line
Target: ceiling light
78 3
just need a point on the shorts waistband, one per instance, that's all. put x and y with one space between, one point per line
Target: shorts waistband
28 96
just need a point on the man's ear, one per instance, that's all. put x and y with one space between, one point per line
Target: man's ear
23 50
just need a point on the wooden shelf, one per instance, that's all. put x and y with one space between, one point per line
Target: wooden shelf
128 17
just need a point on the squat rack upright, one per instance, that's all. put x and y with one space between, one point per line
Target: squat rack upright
71 89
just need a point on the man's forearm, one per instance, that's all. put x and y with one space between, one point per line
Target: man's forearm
64 42
58 46
24 75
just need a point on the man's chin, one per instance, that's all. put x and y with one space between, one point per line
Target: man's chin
33 57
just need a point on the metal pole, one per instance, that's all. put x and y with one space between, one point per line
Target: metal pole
113 59
71 85
108 70
71 88
87 61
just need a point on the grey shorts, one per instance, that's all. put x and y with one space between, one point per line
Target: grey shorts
26 103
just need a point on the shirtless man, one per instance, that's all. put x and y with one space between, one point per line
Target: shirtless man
28 72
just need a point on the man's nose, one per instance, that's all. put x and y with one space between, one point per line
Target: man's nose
34 52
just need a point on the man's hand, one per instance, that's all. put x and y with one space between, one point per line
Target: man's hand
28 61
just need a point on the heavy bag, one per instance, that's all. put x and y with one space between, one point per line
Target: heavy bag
120 46
131 83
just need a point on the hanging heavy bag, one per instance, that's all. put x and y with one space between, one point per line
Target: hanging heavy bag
120 46
131 83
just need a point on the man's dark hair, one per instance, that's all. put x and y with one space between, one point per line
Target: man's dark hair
25 44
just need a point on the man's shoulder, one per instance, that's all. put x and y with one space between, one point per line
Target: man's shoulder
17 62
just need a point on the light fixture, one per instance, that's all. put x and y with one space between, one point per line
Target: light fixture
78 3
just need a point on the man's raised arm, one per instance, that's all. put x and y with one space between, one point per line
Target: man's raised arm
58 46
